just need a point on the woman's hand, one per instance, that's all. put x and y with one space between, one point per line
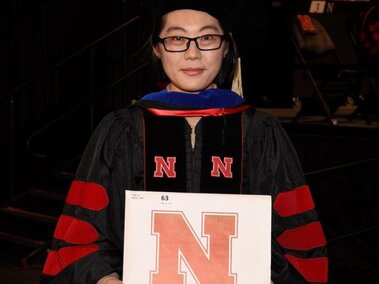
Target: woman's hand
110 279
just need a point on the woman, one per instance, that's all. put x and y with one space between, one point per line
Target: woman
192 120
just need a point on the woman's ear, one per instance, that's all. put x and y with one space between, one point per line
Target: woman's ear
156 51
226 49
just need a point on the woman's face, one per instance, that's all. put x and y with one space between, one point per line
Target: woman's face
192 70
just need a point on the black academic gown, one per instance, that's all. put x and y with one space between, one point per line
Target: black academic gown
88 240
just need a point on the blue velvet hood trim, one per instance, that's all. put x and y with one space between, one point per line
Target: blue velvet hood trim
210 98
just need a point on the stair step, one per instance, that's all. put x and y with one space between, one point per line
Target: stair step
46 194
40 201
21 240
69 175
60 182
27 228
29 214
29 219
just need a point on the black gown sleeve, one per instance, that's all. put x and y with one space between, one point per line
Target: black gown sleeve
88 239
299 252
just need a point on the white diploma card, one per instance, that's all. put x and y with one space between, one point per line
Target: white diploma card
188 238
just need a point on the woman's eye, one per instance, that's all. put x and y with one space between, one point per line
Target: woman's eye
177 38
206 37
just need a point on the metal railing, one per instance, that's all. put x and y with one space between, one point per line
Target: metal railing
9 98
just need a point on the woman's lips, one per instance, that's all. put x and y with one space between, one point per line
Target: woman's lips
192 71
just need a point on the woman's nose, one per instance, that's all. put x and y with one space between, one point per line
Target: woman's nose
192 52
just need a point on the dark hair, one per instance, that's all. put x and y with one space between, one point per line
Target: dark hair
225 76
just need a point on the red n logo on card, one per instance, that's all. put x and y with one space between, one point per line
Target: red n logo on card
167 166
178 244
222 166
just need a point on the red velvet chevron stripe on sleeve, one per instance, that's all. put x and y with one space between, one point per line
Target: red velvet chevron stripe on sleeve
304 237
80 236
58 260
312 269
75 231
88 195
293 202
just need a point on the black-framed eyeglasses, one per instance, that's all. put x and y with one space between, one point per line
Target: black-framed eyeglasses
182 43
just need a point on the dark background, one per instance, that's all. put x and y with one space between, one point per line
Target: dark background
65 64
